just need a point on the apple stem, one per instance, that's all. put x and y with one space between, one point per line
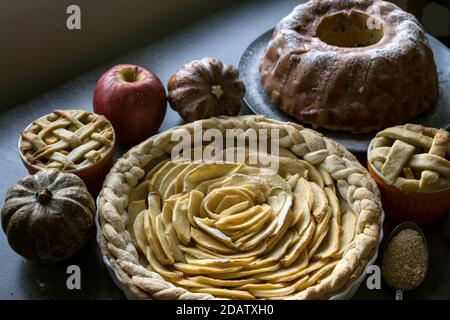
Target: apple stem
135 73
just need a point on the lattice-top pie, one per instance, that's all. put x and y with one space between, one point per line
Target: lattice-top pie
412 157
176 229
68 140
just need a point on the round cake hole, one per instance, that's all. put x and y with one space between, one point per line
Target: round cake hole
350 30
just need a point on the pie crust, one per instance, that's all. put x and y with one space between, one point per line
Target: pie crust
412 157
235 230
68 140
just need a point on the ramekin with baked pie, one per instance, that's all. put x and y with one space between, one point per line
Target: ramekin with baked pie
411 165
75 141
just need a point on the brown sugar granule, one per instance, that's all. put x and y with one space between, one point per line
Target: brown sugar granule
405 260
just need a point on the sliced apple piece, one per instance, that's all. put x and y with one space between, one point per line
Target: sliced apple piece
280 292
174 243
161 235
298 265
158 176
195 202
320 207
134 209
296 250
226 293
180 219
347 232
138 232
223 283
214 233
153 241
199 270
208 171
203 240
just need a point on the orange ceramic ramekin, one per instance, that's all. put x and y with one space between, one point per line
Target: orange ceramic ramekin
92 175
418 207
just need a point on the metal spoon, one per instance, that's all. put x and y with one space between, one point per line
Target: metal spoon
400 227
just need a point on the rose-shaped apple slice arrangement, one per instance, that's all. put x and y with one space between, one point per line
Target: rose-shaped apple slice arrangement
239 231
133 99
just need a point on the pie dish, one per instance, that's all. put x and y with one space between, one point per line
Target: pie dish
74 141
201 230
346 294
411 164
353 65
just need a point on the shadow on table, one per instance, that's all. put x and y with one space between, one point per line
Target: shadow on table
48 281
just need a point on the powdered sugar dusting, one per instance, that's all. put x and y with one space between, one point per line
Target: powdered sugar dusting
363 69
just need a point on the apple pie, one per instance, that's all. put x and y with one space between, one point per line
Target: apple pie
413 157
411 164
68 140
180 228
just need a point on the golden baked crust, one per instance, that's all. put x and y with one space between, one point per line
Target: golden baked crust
131 215
355 87
413 157
68 140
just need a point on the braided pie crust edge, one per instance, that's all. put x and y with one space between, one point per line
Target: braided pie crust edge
352 181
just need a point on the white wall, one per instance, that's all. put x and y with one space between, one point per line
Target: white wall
37 51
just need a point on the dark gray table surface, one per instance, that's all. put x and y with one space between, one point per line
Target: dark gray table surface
224 35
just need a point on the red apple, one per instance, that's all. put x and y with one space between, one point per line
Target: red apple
133 99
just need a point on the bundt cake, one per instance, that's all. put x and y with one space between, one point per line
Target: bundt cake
353 65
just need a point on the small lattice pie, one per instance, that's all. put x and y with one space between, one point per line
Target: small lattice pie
412 157
68 140
176 229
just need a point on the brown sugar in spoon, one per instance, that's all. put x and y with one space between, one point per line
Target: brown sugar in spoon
405 258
